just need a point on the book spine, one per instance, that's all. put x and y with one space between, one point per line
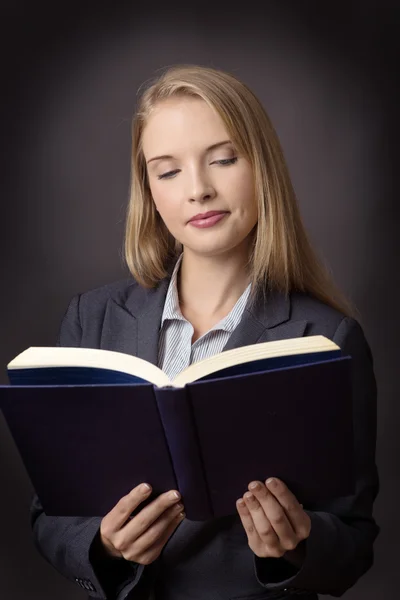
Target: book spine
178 422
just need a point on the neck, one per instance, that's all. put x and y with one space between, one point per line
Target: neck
211 286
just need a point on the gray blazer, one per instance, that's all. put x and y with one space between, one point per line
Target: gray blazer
211 560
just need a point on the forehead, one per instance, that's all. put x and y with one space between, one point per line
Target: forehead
182 120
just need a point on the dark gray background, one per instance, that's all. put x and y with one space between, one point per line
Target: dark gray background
325 73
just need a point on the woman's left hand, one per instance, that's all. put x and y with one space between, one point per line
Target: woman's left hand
273 519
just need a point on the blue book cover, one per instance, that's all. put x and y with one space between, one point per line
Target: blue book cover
87 436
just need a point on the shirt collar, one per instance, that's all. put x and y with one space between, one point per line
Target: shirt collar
172 310
171 305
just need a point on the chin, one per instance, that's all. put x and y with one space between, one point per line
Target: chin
210 250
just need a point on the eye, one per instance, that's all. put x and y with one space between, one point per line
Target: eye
227 161
223 162
167 175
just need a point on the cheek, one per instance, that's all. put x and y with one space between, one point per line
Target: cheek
243 181
244 194
167 209
161 199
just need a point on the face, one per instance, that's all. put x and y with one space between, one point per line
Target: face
192 175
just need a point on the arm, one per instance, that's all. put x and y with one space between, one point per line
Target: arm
71 544
339 548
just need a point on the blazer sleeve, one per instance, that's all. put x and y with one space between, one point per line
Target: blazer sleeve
340 546
72 544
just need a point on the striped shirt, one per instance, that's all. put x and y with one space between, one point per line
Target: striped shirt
175 349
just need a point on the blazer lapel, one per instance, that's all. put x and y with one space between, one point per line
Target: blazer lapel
266 321
133 326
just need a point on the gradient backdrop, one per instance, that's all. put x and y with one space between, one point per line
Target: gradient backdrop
69 79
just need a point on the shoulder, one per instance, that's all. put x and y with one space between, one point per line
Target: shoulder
322 319
91 304
84 317
98 297
305 306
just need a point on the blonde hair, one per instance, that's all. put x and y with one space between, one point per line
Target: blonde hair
281 257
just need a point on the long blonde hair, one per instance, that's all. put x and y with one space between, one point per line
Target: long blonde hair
282 257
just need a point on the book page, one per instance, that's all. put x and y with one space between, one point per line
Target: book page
47 357
237 356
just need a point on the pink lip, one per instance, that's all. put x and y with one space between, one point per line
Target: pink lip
207 219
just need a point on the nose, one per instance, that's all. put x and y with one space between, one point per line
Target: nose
201 189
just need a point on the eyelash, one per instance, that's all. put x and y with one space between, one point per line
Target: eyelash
223 162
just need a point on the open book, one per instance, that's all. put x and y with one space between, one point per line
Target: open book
79 365
92 424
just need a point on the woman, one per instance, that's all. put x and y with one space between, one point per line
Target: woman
219 258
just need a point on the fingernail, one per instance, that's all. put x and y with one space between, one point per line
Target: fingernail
249 496
254 485
272 482
145 487
175 495
182 515
178 506
240 502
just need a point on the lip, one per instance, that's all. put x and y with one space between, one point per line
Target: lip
210 213
208 219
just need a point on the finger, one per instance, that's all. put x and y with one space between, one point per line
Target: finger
130 543
150 544
118 515
248 524
276 516
266 532
295 513
150 513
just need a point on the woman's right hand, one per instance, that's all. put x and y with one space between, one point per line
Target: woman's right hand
141 538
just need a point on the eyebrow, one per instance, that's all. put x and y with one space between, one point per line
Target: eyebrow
212 147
